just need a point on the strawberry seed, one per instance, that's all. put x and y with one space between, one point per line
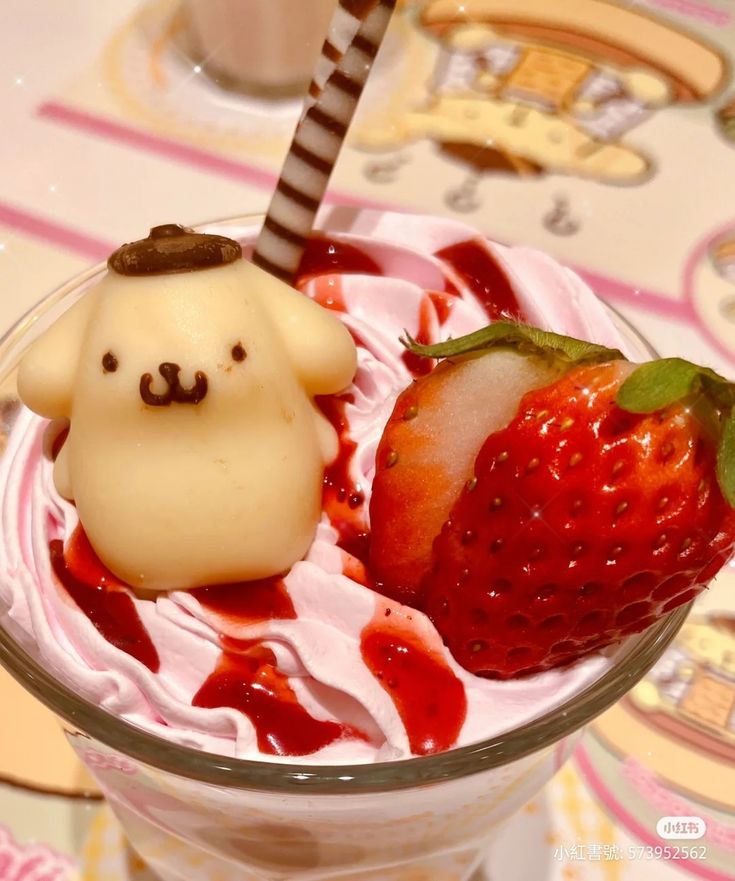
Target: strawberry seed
591 588
410 412
617 468
546 592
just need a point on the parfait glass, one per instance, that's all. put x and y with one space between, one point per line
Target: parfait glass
191 814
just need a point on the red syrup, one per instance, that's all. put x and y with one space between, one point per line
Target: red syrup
416 364
248 602
342 500
324 255
481 272
102 598
247 679
328 292
429 698
443 303
59 442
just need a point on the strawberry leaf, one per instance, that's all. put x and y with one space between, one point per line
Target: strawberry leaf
521 336
726 460
658 384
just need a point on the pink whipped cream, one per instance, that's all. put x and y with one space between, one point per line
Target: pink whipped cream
238 670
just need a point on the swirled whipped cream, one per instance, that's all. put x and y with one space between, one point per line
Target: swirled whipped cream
314 664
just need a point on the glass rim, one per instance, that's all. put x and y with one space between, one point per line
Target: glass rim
292 777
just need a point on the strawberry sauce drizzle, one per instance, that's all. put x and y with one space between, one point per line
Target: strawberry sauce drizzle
59 442
342 498
323 256
417 365
327 292
248 602
247 679
102 597
429 698
443 303
481 272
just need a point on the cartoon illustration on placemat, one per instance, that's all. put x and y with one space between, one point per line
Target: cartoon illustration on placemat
722 256
687 700
709 287
725 119
527 87
668 747
691 693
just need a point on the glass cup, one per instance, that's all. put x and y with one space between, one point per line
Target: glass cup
191 814
262 47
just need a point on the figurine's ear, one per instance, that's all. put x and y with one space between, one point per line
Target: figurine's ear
48 370
319 345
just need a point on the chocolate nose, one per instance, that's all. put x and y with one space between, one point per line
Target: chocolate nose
175 392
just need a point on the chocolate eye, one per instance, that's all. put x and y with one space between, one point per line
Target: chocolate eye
238 352
109 362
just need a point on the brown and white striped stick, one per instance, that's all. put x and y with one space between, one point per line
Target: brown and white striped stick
355 36
343 28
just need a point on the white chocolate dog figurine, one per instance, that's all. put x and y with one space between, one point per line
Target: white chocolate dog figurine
195 453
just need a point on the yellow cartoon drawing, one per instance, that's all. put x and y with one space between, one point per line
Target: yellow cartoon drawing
529 86
709 288
677 724
722 255
691 693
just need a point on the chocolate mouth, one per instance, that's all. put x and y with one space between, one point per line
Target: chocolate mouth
175 393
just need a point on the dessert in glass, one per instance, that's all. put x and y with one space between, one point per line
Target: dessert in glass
362 711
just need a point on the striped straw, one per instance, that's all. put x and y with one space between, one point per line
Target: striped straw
355 36
343 28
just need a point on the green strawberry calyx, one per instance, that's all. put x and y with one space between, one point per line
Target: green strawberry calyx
651 387
659 384
518 336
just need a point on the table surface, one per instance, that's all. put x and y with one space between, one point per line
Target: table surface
108 130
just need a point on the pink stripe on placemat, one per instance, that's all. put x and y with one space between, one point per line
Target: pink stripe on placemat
53 233
652 301
203 160
626 819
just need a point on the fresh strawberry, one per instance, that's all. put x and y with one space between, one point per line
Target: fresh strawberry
427 453
584 521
